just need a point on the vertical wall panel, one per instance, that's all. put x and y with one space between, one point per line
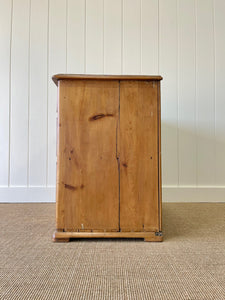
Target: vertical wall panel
149 37
168 69
19 93
76 36
5 37
205 93
220 90
38 92
94 36
186 93
131 37
112 36
182 40
57 64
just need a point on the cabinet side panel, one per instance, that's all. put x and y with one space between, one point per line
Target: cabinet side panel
88 184
139 207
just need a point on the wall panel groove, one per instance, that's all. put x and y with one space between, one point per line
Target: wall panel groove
47 96
19 93
196 106
205 94
168 69
122 35
178 90
149 37
94 36
131 37
186 93
57 64
219 12
85 35
38 92
28 123
5 84
10 96
75 61
112 36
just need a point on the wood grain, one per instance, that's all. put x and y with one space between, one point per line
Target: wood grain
138 156
109 166
87 180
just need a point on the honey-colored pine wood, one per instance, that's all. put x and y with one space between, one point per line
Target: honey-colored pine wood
139 204
87 181
59 77
65 236
108 157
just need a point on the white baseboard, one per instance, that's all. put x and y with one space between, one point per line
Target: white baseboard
27 194
170 194
193 194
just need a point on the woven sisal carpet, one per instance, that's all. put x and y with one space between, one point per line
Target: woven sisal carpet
189 264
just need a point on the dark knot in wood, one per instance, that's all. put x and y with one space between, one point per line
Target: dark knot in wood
99 116
71 187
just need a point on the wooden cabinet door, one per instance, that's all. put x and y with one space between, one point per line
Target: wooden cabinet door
88 178
139 205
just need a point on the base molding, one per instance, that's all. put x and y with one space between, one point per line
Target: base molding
149 236
193 194
23 194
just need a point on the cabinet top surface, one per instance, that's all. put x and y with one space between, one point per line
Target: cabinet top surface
58 77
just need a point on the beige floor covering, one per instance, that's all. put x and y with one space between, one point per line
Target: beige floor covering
189 264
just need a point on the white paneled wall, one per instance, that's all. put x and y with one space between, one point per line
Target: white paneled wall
182 40
38 93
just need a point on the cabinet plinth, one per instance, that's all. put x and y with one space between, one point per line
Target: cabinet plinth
108 157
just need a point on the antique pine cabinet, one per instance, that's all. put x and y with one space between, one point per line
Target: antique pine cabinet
108 157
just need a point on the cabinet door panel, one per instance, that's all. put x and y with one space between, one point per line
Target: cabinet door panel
139 208
88 180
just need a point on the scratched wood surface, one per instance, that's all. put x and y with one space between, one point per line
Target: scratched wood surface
87 171
139 207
